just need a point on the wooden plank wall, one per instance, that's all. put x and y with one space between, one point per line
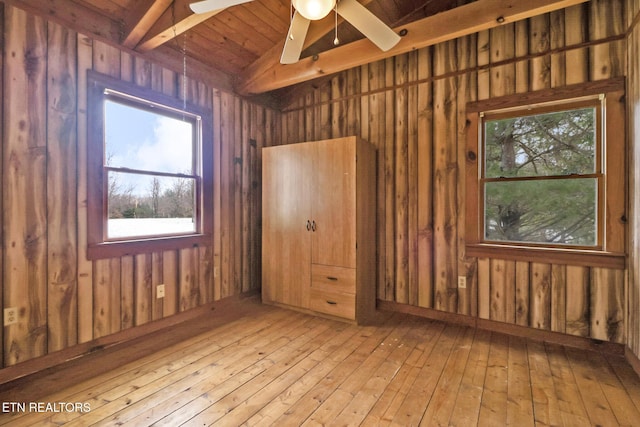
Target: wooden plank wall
633 101
62 298
412 108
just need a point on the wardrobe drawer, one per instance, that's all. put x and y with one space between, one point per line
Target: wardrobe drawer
334 303
333 279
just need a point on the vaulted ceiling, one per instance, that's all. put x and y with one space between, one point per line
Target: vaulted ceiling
239 48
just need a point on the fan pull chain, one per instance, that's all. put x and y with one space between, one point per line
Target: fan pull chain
184 73
184 58
290 19
336 41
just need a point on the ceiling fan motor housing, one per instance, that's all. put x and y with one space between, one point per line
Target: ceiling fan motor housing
314 9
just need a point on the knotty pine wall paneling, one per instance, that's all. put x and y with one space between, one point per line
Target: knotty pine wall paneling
412 108
467 85
389 141
84 267
633 103
400 168
24 184
445 178
108 303
61 189
64 299
411 245
424 185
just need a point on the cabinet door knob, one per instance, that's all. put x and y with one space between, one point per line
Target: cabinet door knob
308 225
313 226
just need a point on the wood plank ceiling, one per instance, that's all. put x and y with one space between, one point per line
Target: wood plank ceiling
239 47
237 36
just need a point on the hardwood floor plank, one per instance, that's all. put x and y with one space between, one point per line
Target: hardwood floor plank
628 378
572 408
337 350
285 368
202 365
172 356
441 405
365 398
395 393
392 393
236 363
345 392
493 409
546 408
267 361
469 397
299 412
181 370
595 402
419 395
281 385
519 400
621 403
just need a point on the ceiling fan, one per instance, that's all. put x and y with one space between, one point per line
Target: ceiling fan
211 5
310 10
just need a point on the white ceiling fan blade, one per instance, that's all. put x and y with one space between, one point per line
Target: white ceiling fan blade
295 39
211 5
368 24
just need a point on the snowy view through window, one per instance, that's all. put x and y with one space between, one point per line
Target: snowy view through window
149 161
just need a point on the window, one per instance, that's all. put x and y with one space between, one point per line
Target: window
542 173
547 176
149 171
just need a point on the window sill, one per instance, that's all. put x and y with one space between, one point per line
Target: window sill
585 258
133 247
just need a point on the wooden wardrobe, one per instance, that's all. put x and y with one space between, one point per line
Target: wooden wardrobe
318 227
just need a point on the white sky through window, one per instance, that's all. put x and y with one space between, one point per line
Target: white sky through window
143 140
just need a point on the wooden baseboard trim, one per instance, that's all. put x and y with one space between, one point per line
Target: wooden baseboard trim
309 312
633 360
53 360
505 328
429 313
582 343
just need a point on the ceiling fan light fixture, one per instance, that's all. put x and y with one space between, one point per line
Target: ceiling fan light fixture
314 9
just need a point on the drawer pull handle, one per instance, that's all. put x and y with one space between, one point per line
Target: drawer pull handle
332 303
335 279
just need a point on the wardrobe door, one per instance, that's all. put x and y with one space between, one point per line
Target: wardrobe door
286 216
333 203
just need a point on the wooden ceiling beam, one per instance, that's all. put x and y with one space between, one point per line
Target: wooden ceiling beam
141 19
324 27
173 22
471 18
271 58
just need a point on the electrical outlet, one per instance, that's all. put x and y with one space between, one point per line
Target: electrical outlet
10 316
462 282
160 291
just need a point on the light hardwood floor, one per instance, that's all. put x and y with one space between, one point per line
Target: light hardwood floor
271 366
